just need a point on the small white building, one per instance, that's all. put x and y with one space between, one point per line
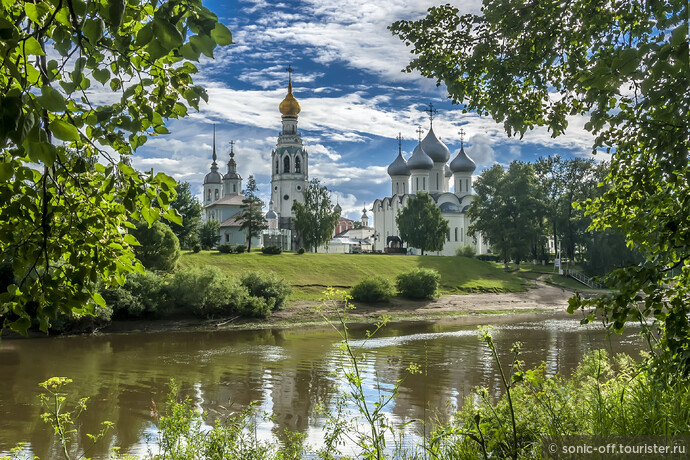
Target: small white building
427 171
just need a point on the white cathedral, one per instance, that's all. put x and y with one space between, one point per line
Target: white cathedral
427 171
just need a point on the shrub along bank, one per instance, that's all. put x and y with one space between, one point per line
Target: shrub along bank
199 292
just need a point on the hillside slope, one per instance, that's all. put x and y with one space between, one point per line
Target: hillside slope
311 273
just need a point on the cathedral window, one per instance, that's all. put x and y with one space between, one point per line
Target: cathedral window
456 233
234 188
423 183
397 187
417 188
277 166
286 164
227 237
209 195
298 165
216 194
467 185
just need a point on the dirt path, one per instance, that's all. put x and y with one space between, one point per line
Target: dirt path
539 297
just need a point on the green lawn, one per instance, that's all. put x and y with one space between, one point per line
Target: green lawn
311 273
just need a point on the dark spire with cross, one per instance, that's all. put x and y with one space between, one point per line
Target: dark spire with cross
289 71
232 149
419 132
399 138
214 143
462 137
432 112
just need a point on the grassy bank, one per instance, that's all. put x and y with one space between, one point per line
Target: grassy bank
310 274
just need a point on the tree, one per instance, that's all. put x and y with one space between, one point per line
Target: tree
189 209
507 210
421 224
315 219
251 218
209 234
62 221
159 248
623 66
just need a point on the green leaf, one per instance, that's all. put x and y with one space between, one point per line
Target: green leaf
51 99
43 152
144 36
100 301
167 34
33 47
93 29
6 171
64 131
21 325
116 11
101 75
222 35
165 181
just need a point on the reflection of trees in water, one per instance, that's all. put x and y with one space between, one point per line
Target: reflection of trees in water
122 374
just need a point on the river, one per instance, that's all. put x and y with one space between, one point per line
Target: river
289 371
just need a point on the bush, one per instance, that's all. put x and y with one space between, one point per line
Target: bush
489 257
300 251
257 307
419 283
225 248
240 248
158 247
371 290
267 286
205 292
196 248
465 251
271 250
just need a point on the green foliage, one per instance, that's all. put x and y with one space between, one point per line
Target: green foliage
158 247
196 248
271 250
143 294
189 209
372 290
624 68
507 210
209 234
240 248
419 283
62 420
225 248
421 224
315 219
251 219
205 292
465 251
300 251
63 214
267 286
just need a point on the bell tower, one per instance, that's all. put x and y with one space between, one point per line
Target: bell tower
289 161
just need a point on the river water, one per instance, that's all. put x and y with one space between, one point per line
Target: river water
290 372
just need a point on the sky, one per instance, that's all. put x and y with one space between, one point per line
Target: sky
354 96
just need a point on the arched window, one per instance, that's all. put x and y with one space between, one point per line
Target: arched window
298 164
234 188
216 194
456 233
424 183
209 195
286 164
417 188
277 166
397 187
467 185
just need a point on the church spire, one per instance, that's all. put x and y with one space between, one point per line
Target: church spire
289 107
214 145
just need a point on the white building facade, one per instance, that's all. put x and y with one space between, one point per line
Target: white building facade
428 171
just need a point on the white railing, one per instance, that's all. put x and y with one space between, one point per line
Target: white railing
584 279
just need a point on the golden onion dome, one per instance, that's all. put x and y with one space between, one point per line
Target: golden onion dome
290 107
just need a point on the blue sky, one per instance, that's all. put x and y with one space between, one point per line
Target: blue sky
354 98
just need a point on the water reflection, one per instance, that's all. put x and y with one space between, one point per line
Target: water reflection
289 371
